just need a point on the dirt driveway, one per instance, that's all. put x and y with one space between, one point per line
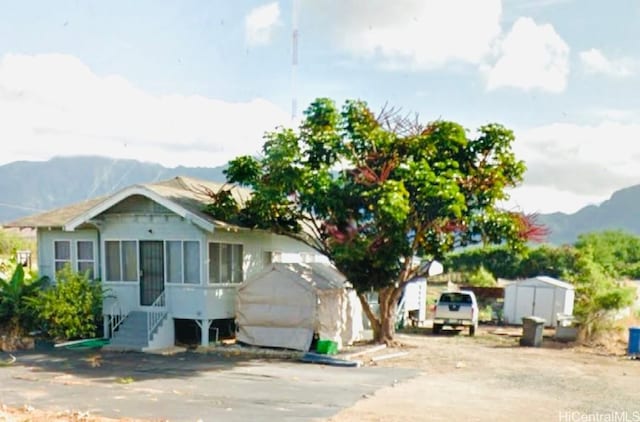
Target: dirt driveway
491 378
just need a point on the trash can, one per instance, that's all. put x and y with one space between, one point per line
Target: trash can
634 341
532 330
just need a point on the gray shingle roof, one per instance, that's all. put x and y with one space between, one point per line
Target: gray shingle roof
189 193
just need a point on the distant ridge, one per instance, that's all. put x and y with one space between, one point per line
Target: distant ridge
621 211
28 187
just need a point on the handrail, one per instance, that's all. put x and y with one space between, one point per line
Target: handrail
156 315
116 317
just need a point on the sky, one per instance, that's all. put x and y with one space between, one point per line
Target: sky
198 82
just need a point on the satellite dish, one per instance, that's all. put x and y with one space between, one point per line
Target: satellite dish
430 268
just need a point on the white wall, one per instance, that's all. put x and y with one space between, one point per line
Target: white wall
549 301
45 240
203 301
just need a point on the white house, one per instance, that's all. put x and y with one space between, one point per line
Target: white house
540 296
159 255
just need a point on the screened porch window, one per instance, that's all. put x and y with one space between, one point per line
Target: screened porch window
61 253
183 261
85 261
225 263
121 258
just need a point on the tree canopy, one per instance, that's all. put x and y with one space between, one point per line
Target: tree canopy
372 192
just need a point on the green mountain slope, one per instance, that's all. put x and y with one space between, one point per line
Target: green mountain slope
621 211
28 187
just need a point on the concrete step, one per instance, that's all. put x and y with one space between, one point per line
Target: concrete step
132 333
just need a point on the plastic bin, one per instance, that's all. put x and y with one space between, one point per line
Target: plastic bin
634 341
532 330
327 347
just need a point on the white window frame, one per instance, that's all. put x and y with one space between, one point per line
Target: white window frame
56 260
93 255
232 283
120 260
182 262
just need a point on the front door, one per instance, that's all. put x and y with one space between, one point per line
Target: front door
151 271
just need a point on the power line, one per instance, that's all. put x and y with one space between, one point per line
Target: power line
20 207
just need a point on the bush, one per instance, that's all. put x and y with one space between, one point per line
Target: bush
598 294
72 308
17 294
11 242
482 278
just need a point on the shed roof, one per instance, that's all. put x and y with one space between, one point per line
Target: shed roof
186 196
552 281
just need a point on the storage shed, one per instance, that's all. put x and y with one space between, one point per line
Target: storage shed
284 305
541 296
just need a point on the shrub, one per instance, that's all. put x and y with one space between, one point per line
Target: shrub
11 242
482 278
17 294
72 308
598 294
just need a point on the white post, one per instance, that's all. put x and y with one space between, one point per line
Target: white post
204 325
106 331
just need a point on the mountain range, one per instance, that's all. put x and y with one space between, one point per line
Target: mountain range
29 187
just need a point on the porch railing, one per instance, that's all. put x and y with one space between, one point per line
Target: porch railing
116 317
156 314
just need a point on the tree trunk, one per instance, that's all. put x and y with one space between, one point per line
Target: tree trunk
383 324
387 331
371 316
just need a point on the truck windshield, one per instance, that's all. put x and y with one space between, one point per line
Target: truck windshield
455 298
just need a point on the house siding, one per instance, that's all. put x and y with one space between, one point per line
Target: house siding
128 221
46 239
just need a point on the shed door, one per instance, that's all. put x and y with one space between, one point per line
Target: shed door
524 303
151 271
543 305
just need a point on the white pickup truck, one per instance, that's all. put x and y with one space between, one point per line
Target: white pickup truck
456 309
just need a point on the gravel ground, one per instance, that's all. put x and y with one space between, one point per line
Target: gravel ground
490 377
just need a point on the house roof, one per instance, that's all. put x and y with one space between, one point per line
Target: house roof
184 196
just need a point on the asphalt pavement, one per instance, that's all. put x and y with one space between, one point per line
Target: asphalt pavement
188 386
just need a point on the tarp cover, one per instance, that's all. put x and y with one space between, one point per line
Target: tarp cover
286 303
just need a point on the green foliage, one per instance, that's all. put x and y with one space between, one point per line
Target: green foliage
372 194
11 242
16 294
618 252
482 278
504 262
597 293
223 205
72 307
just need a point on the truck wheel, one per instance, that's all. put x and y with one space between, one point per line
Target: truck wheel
437 328
472 330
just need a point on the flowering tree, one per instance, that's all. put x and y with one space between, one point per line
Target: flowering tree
372 193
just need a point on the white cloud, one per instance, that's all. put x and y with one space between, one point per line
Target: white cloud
531 56
55 105
260 23
594 61
571 165
414 34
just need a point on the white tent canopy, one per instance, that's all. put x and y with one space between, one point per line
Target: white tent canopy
284 305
